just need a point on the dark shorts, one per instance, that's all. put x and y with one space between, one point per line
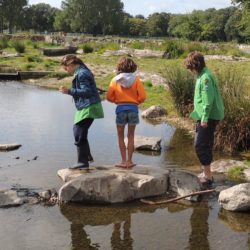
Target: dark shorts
127 117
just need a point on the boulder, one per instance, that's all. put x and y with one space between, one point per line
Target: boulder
154 112
8 147
184 183
246 173
10 198
59 51
236 198
112 185
223 166
147 143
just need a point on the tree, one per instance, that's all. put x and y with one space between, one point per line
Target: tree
137 27
94 16
43 17
157 24
243 3
40 17
10 11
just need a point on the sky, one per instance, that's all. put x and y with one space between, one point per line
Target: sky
147 7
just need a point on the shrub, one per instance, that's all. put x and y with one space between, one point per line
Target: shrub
87 48
137 45
233 133
181 87
18 45
34 58
148 84
175 48
4 42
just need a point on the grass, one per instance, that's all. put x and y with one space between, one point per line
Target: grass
33 60
236 174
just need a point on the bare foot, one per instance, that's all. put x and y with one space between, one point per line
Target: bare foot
130 164
121 165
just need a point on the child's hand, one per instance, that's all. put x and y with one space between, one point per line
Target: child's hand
63 89
204 124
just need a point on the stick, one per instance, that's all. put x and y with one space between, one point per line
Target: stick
177 198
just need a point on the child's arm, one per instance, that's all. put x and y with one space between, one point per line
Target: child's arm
111 93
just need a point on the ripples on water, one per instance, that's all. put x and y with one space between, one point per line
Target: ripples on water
41 120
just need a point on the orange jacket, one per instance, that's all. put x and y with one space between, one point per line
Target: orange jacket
134 94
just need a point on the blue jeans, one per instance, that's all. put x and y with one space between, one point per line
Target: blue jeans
127 117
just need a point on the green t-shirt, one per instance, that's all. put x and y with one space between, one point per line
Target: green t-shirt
94 111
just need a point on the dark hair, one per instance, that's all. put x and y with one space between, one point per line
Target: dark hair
126 65
195 61
73 59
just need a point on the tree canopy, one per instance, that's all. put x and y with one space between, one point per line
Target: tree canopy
107 17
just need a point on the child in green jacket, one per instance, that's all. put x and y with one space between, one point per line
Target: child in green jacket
208 111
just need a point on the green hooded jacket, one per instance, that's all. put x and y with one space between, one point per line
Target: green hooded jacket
208 103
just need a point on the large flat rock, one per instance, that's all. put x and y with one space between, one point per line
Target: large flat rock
111 184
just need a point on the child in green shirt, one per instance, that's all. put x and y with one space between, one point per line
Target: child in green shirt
208 111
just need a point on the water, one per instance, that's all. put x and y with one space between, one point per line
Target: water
41 120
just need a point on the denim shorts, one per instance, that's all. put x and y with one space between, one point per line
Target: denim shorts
127 117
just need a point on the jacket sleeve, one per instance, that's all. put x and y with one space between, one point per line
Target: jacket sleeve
84 82
207 96
141 93
111 93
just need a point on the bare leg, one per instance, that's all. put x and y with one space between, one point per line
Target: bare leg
131 135
207 171
122 146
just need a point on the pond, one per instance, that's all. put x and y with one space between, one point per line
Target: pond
41 120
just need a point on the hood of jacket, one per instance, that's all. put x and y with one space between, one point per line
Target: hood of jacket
126 80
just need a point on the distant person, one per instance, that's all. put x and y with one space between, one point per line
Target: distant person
127 91
208 111
88 106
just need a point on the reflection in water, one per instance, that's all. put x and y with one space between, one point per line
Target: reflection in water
181 149
238 222
83 218
26 114
199 225
80 217
122 242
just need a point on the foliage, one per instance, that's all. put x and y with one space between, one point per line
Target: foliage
80 16
181 88
87 48
40 17
11 12
137 27
175 48
236 173
157 24
18 45
4 42
233 132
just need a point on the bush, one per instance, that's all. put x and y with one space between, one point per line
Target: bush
175 48
18 45
4 42
233 133
137 45
181 87
87 48
34 58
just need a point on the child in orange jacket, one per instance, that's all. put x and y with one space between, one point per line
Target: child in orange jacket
127 91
